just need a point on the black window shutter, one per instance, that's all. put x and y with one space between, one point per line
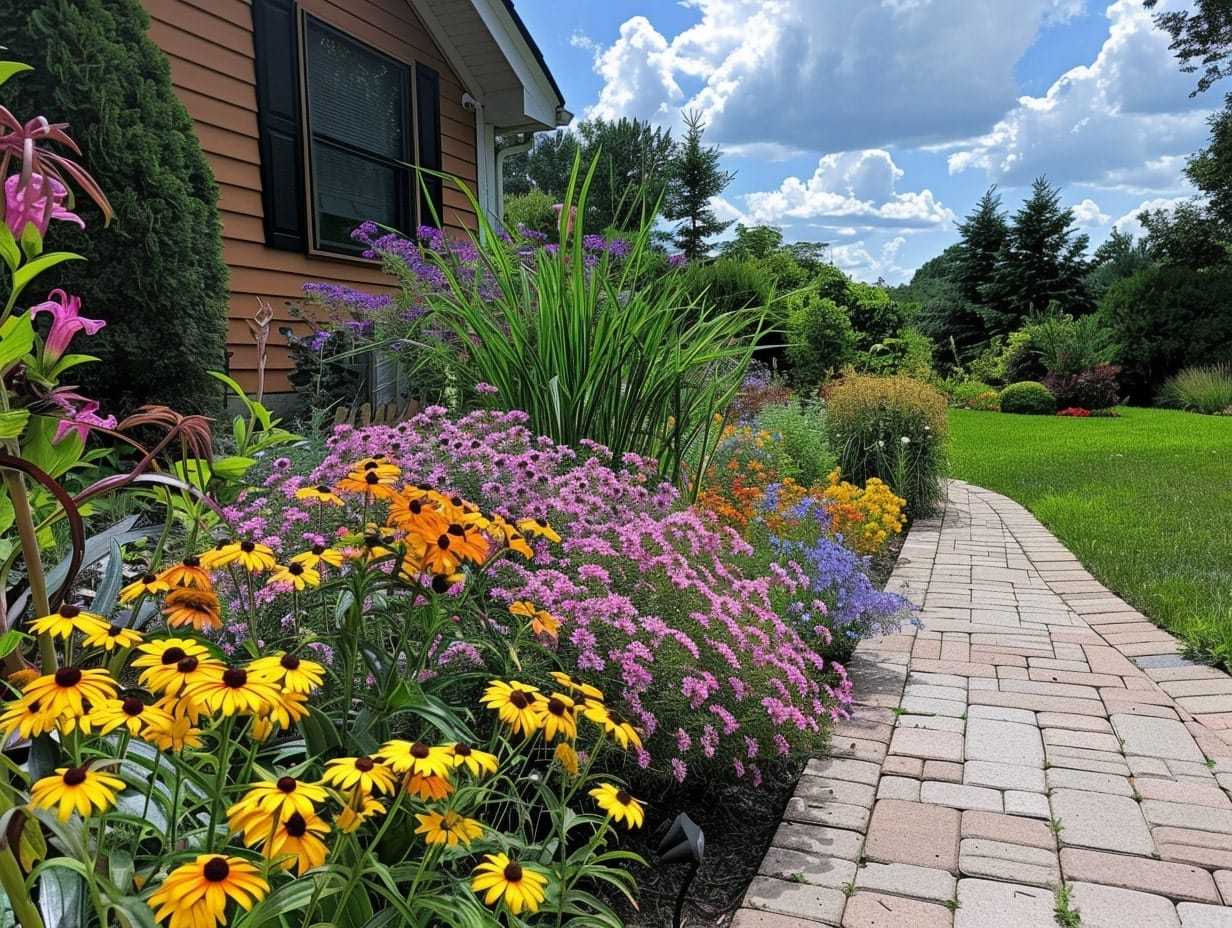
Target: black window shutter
428 125
278 123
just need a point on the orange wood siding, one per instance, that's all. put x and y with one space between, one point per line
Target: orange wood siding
210 45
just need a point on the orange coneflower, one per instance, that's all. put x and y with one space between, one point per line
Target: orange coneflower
195 895
188 605
502 878
188 572
75 789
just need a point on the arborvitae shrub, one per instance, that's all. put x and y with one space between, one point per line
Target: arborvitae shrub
157 275
1028 397
894 428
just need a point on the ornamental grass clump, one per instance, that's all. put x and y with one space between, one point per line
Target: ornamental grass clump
1206 390
892 428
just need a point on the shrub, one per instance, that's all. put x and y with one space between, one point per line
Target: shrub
893 428
962 395
801 433
820 339
909 353
161 282
1095 388
1066 345
1076 412
1029 397
532 211
1021 359
1205 389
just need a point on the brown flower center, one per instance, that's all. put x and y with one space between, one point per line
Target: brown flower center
287 784
68 611
68 677
513 872
457 530
420 750
187 664
114 631
296 826
173 655
247 547
133 706
192 561
323 489
364 764
216 869
295 568
443 542
318 550
556 707
148 578
289 662
518 698
623 797
235 677
372 477
462 749
74 776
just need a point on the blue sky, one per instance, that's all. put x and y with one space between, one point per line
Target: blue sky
876 125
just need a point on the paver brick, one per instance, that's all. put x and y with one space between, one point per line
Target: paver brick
907 880
831 814
786 864
1073 722
877 910
821 790
999 860
799 899
1003 742
1199 856
1068 778
1004 776
858 749
813 839
1009 829
943 770
1183 815
961 796
899 788
1002 714
1193 793
755 918
1033 805
1090 740
903 766
1194 915
858 771
1177 881
984 903
1110 907
1223 880
1100 820
921 742
913 833
1037 702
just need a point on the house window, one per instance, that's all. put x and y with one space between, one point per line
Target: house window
339 122
359 137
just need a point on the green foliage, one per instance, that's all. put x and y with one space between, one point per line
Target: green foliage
752 242
1167 318
909 353
588 353
1205 389
1200 36
695 180
1188 235
975 394
1028 397
1118 257
159 280
1021 360
545 167
532 210
801 431
894 428
1143 501
634 163
1066 345
820 339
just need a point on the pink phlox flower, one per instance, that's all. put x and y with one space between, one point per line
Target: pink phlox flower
65 323
29 203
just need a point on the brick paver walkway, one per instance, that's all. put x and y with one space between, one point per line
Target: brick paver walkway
1036 740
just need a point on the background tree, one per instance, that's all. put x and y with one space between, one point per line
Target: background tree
635 164
1200 38
1042 261
157 275
696 180
1185 236
546 167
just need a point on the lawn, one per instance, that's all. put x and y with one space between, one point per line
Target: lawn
1144 501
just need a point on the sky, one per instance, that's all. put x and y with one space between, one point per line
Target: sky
877 125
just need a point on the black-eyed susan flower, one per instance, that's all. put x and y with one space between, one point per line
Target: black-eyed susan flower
75 789
356 812
557 715
514 540
27 719
417 757
295 674
476 761
414 513
171 665
113 637
148 584
499 878
296 575
428 786
253 556
364 774
616 802
457 545
298 842
317 555
287 709
449 828
193 606
69 619
567 757
542 622
584 691
234 692
376 478
538 528
514 703
66 692
614 724
130 713
188 572
319 494
174 733
196 894
268 802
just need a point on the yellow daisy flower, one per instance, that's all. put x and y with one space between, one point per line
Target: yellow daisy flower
196 895
65 692
514 703
356 812
614 724
318 555
252 556
319 494
419 757
69 619
476 761
298 839
175 733
75 789
112 637
568 758
617 803
269 802
171 665
363 774
188 605
189 572
148 584
296 574
501 878
234 691
448 828
288 671
130 713
557 716
538 528
585 690
428 786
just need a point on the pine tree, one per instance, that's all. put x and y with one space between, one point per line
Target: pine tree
157 275
695 181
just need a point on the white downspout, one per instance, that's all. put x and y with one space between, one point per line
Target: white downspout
500 171
484 157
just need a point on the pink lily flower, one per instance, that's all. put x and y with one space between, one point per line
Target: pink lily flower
66 322
28 203
78 420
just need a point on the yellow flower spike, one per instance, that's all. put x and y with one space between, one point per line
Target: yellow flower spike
148 584
618 804
196 894
499 878
449 828
69 619
75 789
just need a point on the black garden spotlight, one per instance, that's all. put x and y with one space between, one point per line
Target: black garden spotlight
684 841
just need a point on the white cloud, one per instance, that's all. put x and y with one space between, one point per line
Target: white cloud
860 263
1087 214
850 188
1123 122
829 75
1129 222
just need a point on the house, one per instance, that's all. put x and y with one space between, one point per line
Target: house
308 112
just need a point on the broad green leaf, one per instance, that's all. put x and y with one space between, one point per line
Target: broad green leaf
67 361
27 272
16 340
233 467
13 422
8 248
10 641
9 68
31 241
62 892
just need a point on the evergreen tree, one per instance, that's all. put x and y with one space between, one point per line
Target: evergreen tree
635 163
156 276
983 235
545 167
1042 261
696 179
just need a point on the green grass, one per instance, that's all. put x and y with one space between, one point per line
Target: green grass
1144 501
